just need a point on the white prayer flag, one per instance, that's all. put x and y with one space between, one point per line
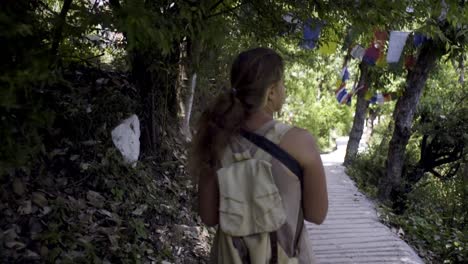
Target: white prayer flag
396 45
380 98
358 52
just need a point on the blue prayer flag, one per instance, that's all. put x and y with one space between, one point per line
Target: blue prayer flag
345 76
419 39
341 95
311 33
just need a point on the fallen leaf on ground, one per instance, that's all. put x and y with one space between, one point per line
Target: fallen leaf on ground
25 208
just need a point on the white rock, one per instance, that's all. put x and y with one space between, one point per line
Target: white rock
126 138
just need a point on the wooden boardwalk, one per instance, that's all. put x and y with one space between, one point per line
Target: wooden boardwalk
352 232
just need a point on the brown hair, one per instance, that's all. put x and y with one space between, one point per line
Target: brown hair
252 73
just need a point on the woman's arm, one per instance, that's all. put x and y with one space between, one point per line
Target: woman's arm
301 145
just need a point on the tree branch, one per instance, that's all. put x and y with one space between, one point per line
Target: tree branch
216 5
46 7
423 148
319 6
449 159
433 171
115 4
226 11
94 5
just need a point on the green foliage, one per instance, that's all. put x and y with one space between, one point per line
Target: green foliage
435 218
435 221
23 68
442 123
311 102
367 169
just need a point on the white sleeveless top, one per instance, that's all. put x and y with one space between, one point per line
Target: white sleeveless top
289 188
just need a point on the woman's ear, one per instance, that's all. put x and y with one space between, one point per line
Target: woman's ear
272 92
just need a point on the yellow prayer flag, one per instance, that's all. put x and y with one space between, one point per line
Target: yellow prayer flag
328 48
368 95
381 62
338 83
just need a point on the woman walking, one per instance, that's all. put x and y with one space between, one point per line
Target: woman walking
258 178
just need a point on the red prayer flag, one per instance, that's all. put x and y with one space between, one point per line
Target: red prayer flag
380 37
387 97
410 61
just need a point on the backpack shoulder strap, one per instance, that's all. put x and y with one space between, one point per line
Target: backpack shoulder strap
285 158
275 151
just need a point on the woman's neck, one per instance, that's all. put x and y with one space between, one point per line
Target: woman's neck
257 120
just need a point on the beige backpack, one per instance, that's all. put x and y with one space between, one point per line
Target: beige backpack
251 209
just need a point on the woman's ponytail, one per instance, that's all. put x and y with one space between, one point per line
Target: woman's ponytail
216 126
252 73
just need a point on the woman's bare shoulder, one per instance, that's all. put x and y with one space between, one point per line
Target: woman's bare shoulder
300 143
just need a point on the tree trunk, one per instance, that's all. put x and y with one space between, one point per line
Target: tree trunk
359 117
461 67
154 76
188 108
182 79
157 96
319 90
403 117
57 35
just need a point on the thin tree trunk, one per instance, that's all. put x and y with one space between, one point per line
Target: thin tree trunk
319 90
182 76
386 135
359 117
465 194
57 37
156 88
143 80
403 115
157 98
188 107
461 67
